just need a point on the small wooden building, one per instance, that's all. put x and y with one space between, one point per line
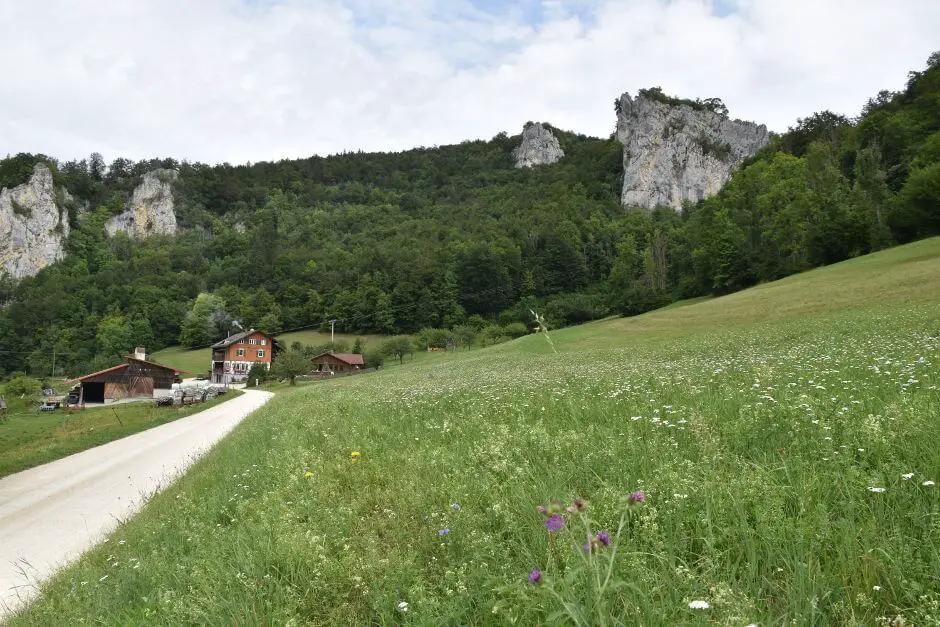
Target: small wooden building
329 363
136 378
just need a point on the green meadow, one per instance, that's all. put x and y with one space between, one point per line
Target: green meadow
768 457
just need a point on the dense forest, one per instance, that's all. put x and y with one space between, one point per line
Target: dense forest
455 236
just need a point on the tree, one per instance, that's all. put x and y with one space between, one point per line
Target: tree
290 364
258 373
206 321
398 346
357 347
465 335
114 336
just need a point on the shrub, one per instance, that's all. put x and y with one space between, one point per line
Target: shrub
27 389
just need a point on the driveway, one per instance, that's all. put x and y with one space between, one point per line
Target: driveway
51 514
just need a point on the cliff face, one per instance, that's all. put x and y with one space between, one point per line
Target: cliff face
151 208
33 228
674 153
539 147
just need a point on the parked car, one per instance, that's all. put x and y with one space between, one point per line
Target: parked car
48 392
49 405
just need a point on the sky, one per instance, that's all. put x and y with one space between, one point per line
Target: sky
249 80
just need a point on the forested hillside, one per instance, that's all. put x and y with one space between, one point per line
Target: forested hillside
454 235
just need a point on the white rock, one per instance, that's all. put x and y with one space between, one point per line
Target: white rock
539 147
151 208
33 228
677 153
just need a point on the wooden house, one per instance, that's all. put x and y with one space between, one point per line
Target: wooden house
336 363
234 356
136 378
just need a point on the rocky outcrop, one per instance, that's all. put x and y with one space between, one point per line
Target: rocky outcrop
33 227
150 211
677 152
539 147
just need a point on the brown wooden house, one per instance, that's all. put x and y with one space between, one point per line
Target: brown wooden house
233 357
335 363
136 378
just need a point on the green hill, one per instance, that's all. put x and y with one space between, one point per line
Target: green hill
783 441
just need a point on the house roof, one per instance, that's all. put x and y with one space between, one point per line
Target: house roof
129 358
352 359
238 337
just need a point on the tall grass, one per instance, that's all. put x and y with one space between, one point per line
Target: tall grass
787 467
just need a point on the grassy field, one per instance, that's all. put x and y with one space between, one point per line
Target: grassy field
763 458
30 438
196 361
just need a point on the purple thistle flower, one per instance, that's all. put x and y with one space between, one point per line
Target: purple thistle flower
554 523
603 537
571 509
637 497
443 532
541 509
535 575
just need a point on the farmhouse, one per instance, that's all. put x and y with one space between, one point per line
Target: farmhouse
331 363
135 378
234 356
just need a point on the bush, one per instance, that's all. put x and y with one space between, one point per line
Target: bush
372 360
259 373
24 388
568 309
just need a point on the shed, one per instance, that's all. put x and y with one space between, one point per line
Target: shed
330 362
136 378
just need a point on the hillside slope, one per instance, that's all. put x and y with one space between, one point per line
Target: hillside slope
780 445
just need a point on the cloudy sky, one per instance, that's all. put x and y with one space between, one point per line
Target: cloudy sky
246 80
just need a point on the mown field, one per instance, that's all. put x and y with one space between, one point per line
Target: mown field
29 437
763 458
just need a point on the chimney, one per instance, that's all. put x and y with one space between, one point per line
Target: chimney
140 353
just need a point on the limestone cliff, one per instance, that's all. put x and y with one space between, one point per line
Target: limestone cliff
150 211
539 147
33 228
677 152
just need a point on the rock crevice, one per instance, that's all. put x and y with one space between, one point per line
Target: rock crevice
674 152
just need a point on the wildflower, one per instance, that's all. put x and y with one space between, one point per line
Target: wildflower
308 474
535 575
877 490
928 483
455 506
907 476
876 588
443 532
354 456
554 523
541 509
637 496
579 504
601 539
403 606
699 605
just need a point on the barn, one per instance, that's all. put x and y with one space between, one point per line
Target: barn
135 378
331 363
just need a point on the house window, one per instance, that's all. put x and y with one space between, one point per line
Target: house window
260 354
240 352
263 342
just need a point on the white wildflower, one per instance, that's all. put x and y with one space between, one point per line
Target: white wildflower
928 483
403 606
877 490
907 476
699 605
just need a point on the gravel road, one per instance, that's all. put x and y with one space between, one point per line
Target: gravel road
51 514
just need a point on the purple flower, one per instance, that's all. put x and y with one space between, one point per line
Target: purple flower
541 509
535 576
603 537
443 532
554 523
455 506
637 497
600 540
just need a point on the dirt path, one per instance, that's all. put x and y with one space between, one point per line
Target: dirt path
50 514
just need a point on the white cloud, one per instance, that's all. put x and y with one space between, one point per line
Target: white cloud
239 80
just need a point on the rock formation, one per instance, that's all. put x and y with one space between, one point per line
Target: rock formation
539 147
677 152
33 228
150 211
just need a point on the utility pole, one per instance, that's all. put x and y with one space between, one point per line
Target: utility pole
53 363
332 327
